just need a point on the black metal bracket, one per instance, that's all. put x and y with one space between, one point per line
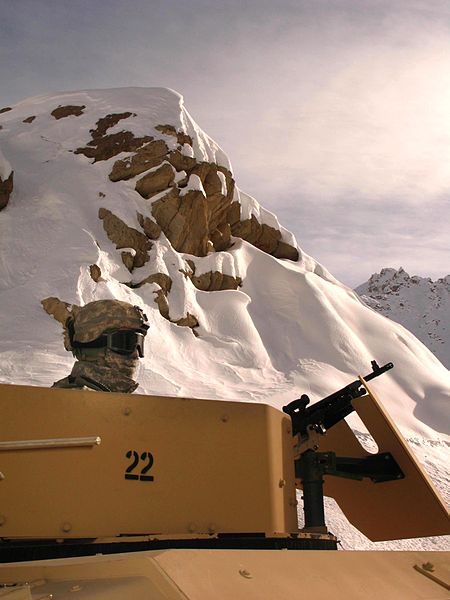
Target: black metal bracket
312 466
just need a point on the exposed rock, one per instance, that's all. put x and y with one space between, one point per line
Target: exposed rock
162 279
182 138
104 147
214 281
107 122
163 304
126 237
6 109
221 237
29 119
194 222
128 260
66 111
180 162
262 236
58 309
284 250
165 285
187 321
184 221
156 181
101 195
149 156
6 188
95 273
151 229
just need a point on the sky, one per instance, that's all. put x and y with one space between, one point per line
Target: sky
335 114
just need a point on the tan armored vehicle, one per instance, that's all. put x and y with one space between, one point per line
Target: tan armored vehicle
109 495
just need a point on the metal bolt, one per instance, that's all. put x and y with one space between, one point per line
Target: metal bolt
2 476
66 527
224 418
282 483
245 573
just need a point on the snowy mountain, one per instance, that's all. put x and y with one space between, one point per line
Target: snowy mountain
419 304
120 194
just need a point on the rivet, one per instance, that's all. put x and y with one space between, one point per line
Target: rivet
2 476
289 431
66 527
282 483
2 520
224 418
127 411
245 573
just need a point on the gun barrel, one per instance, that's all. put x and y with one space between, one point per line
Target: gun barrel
376 370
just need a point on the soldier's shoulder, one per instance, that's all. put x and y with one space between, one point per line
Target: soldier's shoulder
76 383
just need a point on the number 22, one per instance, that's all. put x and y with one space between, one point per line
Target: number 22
145 456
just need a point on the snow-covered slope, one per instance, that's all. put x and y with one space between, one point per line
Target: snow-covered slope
288 328
418 303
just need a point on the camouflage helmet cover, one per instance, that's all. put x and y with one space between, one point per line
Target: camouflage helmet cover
97 317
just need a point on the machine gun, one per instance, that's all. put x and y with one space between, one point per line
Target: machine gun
309 423
322 415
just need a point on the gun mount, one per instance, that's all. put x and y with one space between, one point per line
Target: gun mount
311 422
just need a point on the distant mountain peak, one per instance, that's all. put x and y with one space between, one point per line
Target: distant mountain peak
418 303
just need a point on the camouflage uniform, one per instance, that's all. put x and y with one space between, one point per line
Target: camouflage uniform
87 335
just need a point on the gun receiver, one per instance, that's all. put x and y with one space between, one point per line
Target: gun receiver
322 415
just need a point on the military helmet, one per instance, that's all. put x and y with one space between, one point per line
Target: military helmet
114 324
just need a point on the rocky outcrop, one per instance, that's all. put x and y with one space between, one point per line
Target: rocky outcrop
6 188
6 109
95 273
29 119
148 156
66 111
260 235
126 237
161 299
60 311
196 218
212 281
104 147
151 229
182 138
156 181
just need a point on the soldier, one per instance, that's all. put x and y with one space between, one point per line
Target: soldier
107 339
